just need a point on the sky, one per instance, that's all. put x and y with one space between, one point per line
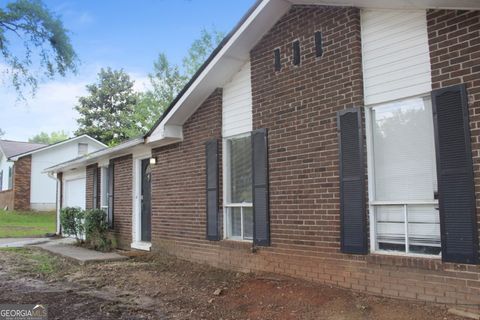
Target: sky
127 34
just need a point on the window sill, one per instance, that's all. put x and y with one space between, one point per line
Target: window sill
236 244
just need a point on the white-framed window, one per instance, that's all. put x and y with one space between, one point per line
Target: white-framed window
82 149
404 216
237 171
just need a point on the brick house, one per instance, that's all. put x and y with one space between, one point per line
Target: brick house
332 143
28 188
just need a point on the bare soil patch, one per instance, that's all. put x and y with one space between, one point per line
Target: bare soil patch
163 287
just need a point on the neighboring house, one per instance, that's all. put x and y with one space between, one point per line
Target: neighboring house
332 143
8 149
34 190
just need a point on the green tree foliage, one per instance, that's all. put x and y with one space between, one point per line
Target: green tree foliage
34 44
200 50
54 137
107 113
168 79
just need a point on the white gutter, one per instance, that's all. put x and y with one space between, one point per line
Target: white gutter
90 158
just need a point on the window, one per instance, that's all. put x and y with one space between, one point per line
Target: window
238 189
403 181
1 180
10 178
82 149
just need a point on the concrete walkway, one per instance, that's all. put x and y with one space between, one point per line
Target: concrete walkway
20 242
66 249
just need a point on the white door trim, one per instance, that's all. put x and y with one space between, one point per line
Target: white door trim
137 242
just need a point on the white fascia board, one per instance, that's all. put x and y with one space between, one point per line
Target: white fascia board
397 4
61 143
101 155
227 62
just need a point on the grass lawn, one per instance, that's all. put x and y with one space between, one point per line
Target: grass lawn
14 224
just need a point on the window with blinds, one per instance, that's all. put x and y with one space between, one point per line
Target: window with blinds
403 174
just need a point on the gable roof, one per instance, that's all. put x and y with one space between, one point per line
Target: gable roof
10 148
233 52
44 147
116 151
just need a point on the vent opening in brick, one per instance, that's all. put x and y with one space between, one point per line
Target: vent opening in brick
278 65
318 44
296 53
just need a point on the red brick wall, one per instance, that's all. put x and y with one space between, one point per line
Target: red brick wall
178 178
21 183
89 197
298 105
454 38
122 200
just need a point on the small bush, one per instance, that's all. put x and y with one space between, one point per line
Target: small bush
96 230
71 219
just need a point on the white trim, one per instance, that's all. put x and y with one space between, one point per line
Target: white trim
226 183
117 151
141 245
371 190
17 156
136 193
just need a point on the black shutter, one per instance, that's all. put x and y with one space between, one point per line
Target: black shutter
455 175
261 209
352 182
296 52
111 191
211 151
95 188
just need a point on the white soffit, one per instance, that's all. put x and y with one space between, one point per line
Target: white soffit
397 4
227 62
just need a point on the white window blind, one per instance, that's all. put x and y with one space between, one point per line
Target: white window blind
405 181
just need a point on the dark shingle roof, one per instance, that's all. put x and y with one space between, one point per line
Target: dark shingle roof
11 148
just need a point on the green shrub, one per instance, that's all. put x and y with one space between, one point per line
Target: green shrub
71 219
96 230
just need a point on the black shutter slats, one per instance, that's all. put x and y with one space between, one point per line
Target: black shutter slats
211 150
455 175
352 183
111 192
95 188
261 214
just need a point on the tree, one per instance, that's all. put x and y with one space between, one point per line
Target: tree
201 49
106 114
167 80
1 133
53 137
47 51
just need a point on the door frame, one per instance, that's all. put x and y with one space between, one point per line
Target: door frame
137 242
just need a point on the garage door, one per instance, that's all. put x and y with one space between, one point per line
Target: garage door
74 195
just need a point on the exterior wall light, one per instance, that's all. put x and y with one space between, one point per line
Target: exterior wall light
153 160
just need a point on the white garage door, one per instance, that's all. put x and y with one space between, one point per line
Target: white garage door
74 195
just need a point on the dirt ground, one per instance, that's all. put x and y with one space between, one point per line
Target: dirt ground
155 287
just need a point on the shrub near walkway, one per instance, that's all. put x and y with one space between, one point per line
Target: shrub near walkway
15 224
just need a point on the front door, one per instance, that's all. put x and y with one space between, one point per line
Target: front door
146 201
